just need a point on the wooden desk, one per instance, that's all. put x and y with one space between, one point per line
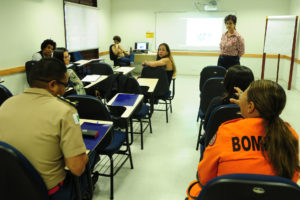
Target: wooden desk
149 82
85 62
102 77
140 58
124 70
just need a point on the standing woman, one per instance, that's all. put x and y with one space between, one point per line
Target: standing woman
165 59
232 45
62 54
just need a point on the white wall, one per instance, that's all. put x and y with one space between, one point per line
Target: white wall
131 19
25 24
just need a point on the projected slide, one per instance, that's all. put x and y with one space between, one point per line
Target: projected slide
204 31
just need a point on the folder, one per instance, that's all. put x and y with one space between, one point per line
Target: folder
125 100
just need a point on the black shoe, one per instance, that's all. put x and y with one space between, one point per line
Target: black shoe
95 177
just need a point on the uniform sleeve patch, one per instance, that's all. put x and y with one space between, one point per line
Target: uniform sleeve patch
76 118
212 140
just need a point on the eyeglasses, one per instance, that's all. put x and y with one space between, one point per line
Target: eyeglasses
67 57
59 82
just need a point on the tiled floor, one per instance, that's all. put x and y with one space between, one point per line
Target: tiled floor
164 169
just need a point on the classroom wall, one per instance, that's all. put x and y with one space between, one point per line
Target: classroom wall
25 24
131 19
295 10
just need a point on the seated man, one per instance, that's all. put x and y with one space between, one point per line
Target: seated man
47 48
45 128
124 58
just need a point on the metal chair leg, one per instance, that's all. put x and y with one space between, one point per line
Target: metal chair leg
111 177
199 135
166 111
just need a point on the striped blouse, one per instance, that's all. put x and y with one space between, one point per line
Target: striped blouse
232 45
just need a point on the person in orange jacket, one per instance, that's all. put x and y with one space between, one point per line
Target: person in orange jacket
248 145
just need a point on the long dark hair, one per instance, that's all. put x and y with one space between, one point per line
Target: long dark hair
59 53
167 48
279 144
236 76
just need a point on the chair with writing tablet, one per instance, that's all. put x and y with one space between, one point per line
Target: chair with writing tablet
212 87
101 68
90 107
249 187
209 72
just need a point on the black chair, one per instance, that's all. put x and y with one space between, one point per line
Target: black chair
219 115
212 87
19 179
90 107
161 91
101 69
249 187
119 83
4 94
28 66
210 72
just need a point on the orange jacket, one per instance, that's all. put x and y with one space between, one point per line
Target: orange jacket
235 149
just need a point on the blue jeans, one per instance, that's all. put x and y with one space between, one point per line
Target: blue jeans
125 61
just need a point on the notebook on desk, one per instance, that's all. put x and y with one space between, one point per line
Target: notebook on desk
91 78
125 100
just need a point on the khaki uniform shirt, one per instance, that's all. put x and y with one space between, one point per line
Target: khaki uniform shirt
45 129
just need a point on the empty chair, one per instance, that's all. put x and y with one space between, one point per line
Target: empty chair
210 72
249 187
101 68
161 91
4 94
212 87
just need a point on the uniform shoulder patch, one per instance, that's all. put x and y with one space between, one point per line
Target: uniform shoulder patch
213 140
67 101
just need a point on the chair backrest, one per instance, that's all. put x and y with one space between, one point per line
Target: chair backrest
112 56
249 187
212 87
162 87
209 72
119 83
101 68
19 179
4 94
28 66
76 56
90 107
219 115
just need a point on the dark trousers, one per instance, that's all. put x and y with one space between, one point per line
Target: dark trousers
68 190
228 61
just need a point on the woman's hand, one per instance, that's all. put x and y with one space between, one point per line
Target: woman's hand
238 93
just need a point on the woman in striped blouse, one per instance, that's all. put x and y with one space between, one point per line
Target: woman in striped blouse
232 45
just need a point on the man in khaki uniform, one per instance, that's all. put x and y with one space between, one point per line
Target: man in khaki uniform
45 128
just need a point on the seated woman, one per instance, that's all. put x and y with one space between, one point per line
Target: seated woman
261 143
236 76
124 58
164 58
63 55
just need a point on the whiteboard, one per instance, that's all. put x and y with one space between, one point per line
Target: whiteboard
190 30
280 35
81 27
